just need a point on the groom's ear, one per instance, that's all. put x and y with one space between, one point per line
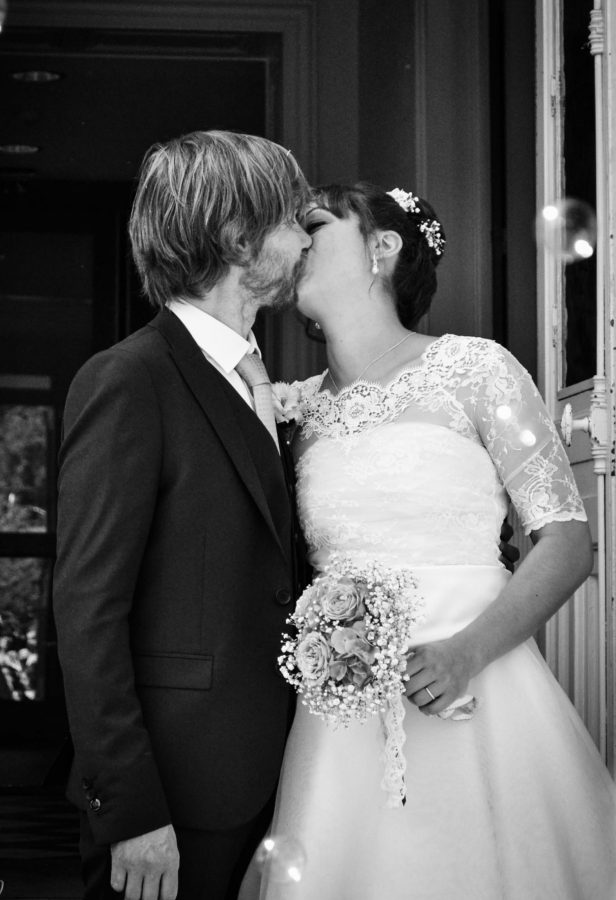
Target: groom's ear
245 252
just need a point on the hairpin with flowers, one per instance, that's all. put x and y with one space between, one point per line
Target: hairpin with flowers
430 228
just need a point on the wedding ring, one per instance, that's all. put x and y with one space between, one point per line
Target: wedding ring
429 693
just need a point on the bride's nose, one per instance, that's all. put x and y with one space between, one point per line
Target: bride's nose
305 239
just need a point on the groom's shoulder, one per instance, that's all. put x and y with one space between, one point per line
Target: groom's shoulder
142 354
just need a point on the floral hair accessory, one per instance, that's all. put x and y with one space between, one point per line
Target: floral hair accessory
430 228
407 201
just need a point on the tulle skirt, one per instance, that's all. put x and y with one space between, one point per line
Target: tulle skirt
514 803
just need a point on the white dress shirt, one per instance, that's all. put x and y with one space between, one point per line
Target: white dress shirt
222 346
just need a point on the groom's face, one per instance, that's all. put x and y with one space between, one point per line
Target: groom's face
271 277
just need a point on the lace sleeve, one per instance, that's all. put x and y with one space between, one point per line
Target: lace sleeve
516 429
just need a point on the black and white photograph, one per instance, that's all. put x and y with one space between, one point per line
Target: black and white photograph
307 450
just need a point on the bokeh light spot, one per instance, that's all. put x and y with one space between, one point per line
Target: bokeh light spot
281 859
549 213
503 412
583 248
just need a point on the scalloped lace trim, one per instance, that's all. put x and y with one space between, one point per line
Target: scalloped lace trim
393 782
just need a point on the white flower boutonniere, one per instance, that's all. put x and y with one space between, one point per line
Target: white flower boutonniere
287 400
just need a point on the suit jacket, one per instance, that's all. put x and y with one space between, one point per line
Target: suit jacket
176 570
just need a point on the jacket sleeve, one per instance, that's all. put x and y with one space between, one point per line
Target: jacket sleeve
110 462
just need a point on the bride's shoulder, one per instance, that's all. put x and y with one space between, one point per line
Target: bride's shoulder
462 343
468 351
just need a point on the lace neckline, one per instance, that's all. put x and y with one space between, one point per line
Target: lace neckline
415 365
364 405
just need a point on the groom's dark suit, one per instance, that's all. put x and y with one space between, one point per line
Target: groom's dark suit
176 570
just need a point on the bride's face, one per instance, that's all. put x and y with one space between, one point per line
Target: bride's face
337 263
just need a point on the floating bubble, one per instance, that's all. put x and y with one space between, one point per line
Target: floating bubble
281 859
567 229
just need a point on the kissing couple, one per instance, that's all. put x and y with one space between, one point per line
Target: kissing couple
180 561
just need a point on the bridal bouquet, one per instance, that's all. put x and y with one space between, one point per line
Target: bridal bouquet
353 629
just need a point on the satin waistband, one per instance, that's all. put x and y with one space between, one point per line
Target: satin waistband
454 596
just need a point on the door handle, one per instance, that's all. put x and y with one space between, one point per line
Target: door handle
595 425
568 424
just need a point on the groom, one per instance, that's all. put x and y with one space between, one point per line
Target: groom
176 566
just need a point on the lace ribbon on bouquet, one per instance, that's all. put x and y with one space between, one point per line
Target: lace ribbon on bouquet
393 754
393 781
462 708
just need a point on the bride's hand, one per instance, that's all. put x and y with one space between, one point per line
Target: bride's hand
439 674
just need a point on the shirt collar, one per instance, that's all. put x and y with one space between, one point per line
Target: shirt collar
221 343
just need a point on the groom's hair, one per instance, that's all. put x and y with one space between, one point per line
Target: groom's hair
206 200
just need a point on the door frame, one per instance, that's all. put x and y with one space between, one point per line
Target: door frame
563 653
295 23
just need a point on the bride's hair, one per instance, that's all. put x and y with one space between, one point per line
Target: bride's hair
413 282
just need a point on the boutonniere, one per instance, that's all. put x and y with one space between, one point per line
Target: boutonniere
287 401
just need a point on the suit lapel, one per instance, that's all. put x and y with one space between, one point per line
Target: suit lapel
208 387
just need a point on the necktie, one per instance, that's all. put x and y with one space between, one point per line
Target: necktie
252 369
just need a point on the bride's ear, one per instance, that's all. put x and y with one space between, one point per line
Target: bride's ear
388 244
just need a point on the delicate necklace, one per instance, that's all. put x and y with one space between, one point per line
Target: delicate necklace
372 362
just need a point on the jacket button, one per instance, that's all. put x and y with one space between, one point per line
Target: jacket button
283 597
86 783
95 804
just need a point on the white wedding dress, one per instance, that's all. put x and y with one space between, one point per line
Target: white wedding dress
515 802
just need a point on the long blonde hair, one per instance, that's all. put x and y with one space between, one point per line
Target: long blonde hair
206 200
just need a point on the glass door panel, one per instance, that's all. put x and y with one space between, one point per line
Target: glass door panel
580 276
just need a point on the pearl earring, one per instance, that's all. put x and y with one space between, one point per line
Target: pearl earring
375 264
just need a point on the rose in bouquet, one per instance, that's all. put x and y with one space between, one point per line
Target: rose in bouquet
353 627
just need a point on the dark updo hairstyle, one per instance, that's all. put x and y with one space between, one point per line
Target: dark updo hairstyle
414 279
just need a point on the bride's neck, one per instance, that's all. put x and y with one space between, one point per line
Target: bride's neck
354 342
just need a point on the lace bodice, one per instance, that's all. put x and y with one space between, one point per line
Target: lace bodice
417 471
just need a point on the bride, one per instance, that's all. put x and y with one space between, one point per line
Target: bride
408 450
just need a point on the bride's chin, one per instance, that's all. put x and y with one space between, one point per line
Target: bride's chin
304 307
